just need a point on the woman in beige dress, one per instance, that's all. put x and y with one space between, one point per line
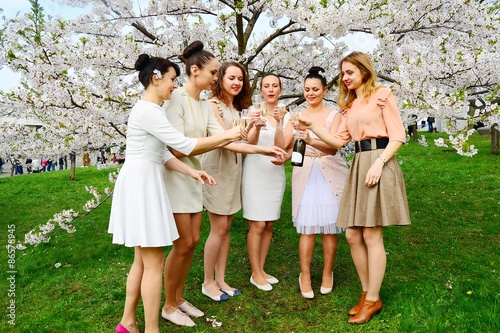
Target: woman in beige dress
230 94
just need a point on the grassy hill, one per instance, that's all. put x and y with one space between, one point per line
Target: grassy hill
442 272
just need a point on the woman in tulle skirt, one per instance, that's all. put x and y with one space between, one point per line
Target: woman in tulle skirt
317 186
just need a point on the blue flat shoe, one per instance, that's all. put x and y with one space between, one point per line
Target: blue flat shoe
218 298
234 292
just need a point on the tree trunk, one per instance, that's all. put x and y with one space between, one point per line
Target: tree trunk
414 132
494 139
65 162
73 166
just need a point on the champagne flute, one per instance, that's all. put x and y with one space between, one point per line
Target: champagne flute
257 105
294 117
256 100
237 121
281 112
245 120
263 113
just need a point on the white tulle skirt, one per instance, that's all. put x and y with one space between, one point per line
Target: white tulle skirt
318 209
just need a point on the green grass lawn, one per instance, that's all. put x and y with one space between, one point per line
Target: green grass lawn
442 272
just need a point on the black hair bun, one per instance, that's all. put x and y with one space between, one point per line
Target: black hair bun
192 48
141 62
316 70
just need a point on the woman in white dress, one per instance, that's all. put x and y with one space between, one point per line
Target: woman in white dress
317 186
140 213
263 186
194 118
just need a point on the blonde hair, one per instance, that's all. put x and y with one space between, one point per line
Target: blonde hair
369 78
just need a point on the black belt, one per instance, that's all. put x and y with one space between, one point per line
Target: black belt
371 144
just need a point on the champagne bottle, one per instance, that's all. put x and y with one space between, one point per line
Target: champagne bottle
299 150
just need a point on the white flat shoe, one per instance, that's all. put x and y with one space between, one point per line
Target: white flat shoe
307 294
178 317
324 290
190 309
272 280
265 287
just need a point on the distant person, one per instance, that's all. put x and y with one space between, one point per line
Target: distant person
43 163
35 166
103 157
61 163
374 195
2 162
85 159
18 166
430 124
29 164
412 127
50 164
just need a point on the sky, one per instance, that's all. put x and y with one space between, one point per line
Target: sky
9 80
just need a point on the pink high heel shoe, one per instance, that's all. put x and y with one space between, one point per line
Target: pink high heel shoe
121 329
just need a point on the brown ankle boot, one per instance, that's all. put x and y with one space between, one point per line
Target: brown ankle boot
366 311
355 309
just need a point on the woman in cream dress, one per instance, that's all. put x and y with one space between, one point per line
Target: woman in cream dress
194 118
231 92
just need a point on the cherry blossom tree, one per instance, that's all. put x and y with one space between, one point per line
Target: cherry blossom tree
78 77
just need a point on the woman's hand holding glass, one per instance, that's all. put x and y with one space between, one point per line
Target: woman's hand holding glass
256 118
258 105
235 133
244 122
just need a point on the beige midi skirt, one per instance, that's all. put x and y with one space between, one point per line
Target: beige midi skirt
382 205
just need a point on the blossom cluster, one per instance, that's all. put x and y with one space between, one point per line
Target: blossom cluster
64 219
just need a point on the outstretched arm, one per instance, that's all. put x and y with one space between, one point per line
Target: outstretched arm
325 136
177 165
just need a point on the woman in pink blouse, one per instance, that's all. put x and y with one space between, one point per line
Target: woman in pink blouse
375 194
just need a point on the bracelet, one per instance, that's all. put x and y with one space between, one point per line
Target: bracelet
383 159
